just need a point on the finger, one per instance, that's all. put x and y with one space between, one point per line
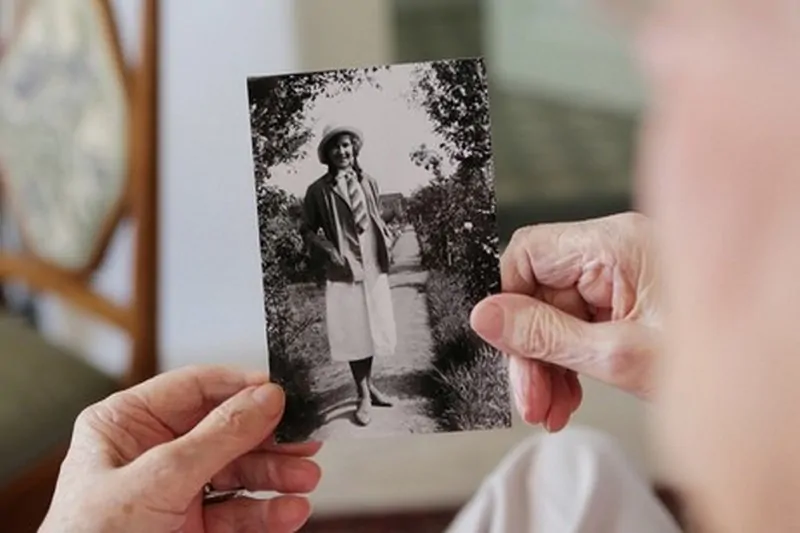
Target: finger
284 514
516 273
600 288
575 389
531 387
568 300
617 353
526 327
181 398
547 254
623 296
231 430
603 314
561 405
261 471
572 302
595 285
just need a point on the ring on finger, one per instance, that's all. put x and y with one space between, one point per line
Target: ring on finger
212 496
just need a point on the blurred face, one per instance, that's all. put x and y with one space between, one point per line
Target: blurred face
719 171
341 152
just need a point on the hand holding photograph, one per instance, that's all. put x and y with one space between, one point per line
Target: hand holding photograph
377 228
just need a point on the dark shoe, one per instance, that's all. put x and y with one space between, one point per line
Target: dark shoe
379 399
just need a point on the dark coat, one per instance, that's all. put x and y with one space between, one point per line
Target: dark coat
325 209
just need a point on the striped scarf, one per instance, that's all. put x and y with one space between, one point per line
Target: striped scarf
358 202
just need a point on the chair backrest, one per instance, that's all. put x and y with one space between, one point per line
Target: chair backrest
78 155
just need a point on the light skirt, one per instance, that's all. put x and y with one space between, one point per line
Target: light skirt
360 316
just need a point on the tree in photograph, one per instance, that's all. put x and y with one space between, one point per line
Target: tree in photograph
455 215
278 107
277 240
429 159
455 96
455 218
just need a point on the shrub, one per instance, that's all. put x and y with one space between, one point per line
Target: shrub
281 249
292 372
454 215
469 387
474 396
455 220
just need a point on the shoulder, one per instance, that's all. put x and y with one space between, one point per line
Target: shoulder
317 185
369 180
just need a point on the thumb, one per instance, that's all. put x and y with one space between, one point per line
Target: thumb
619 353
233 429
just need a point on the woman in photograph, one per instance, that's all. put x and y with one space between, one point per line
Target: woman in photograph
345 205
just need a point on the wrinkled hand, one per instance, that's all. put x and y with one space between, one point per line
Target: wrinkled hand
577 298
139 459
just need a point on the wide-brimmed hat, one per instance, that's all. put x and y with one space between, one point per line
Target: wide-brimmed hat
332 131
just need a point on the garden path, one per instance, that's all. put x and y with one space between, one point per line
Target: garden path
402 376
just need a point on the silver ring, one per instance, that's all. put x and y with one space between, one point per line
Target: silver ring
213 496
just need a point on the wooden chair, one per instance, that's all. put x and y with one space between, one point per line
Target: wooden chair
43 386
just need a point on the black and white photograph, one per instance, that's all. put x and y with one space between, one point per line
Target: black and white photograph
377 231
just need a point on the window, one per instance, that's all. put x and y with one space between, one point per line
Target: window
565 97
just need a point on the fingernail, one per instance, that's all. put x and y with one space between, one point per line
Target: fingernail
305 474
294 511
270 396
488 321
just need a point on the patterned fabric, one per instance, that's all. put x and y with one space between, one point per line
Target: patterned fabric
63 129
357 201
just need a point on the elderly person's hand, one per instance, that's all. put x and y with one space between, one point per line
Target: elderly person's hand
139 460
576 298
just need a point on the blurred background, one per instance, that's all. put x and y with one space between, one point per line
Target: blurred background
565 100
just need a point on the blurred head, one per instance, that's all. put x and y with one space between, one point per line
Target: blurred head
718 172
339 147
341 151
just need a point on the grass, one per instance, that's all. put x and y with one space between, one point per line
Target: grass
468 379
307 302
301 414
476 395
